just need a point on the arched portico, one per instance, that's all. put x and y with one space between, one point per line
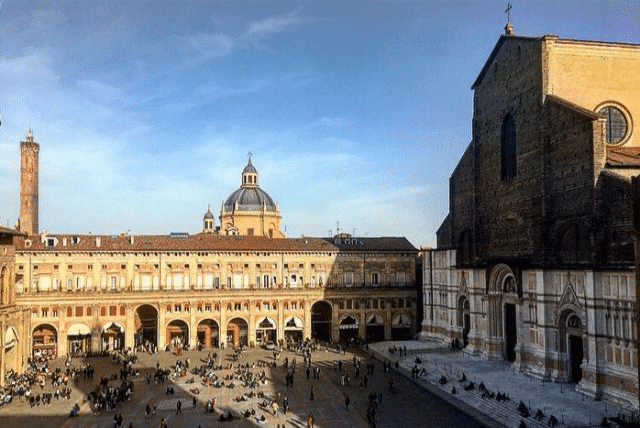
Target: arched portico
208 333
78 338
293 328
238 332
348 328
146 326
375 328
177 333
45 340
321 313
401 327
266 330
112 336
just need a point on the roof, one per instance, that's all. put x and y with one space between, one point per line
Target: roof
503 38
249 168
249 199
209 242
623 157
9 231
572 106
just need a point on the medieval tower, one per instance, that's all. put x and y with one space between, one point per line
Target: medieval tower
29 150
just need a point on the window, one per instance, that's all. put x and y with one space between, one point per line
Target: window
617 126
228 282
250 231
508 161
78 311
114 282
348 279
266 281
374 278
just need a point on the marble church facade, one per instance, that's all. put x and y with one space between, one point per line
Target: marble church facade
535 260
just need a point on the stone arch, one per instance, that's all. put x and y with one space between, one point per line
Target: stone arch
266 330
464 318
238 332
375 328
146 326
45 340
348 326
321 316
112 336
177 333
571 342
78 338
208 333
293 329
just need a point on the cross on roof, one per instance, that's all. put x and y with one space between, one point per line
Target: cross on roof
508 12
249 156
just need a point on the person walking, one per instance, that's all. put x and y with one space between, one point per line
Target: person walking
195 402
285 405
312 396
347 401
179 407
310 420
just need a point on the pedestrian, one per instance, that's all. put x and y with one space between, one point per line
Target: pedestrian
163 423
347 401
195 402
285 405
154 410
310 420
308 372
179 407
311 397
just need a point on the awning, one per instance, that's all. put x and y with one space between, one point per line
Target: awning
401 321
78 330
375 320
294 323
114 326
10 337
348 322
267 324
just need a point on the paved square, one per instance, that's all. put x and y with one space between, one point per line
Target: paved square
410 406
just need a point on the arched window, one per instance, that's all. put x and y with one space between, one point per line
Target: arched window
509 166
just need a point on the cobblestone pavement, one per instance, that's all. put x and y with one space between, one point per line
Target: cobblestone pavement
410 406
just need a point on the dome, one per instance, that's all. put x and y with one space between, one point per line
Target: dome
249 168
208 214
249 199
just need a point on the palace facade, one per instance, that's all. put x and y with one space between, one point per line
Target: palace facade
535 260
241 282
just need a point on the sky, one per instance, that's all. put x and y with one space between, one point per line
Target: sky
355 112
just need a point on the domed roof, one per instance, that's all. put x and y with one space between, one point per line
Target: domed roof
249 199
208 214
249 168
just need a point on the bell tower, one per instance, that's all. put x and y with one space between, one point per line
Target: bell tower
29 150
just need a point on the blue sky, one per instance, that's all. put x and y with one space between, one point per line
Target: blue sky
355 111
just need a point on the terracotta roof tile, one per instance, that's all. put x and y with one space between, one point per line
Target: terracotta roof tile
623 156
208 242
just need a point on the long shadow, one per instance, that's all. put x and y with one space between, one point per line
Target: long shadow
402 409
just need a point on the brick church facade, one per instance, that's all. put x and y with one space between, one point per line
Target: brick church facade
535 260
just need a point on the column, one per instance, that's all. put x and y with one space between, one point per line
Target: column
223 322
281 319
162 329
129 327
193 328
62 331
306 328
